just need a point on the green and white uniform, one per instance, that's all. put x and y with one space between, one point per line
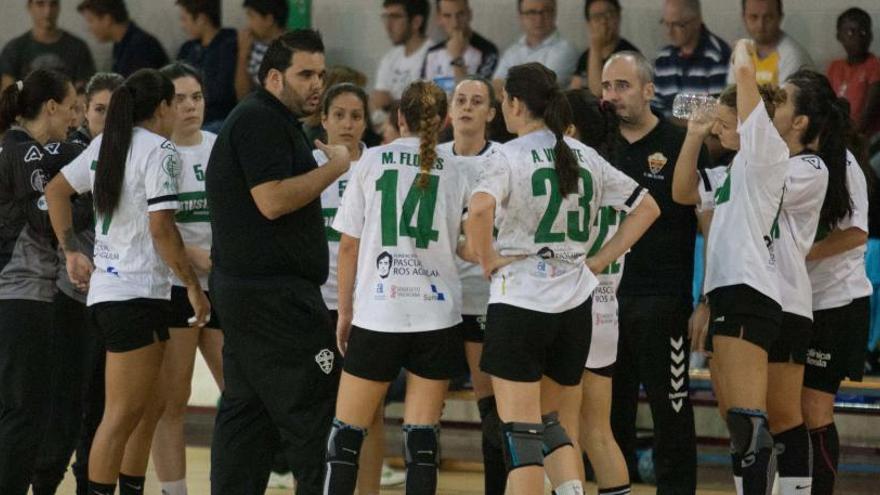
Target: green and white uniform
407 278
193 218
603 343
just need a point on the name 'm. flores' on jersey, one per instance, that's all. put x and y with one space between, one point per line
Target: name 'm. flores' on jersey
408 224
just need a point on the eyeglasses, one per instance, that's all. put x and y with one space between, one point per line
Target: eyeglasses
679 25
537 13
392 17
603 16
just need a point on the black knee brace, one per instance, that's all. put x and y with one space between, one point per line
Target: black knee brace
343 450
751 441
523 444
421 449
554 434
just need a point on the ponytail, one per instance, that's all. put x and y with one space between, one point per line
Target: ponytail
115 142
558 117
132 103
829 122
424 104
535 85
24 99
832 150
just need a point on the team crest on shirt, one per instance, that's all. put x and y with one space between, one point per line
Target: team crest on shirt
656 162
171 166
38 180
325 360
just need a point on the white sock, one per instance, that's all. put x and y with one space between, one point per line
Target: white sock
174 487
571 487
795 486
738 484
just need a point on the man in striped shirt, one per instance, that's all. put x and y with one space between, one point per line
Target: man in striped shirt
695 62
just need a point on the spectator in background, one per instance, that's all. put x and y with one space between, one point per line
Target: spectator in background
133 48
211 50
603 24
405 22
778 54
312 125
45 46
540 42
695 62
857 77
463 53
266 21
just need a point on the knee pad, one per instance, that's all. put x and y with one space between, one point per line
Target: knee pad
749 434
344 443
421 445
523 444
555 436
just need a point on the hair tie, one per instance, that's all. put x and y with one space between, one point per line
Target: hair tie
19 84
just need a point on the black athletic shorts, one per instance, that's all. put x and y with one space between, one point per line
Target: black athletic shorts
379 356
133 324
472 328
606 371
742 312
523 345
181 311
838 346
794 337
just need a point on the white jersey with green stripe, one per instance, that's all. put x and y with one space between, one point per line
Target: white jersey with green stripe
606 331
330 199
127 265
741 246
407 278
553 231
474 286
193 218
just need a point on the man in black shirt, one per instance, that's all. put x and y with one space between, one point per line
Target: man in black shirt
133 48
655 292
270 258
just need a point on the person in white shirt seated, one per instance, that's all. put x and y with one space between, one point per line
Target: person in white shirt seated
405 22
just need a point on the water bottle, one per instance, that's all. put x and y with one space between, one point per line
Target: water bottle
689 106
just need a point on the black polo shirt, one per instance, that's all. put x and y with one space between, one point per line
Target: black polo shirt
137 49
263 141
662 261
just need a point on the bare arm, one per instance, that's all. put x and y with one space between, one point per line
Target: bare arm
631 230
243 82
478 230
200 258
169 245
5 81
837 242
280 197
58 194
346 270
747 95
594 71
686 180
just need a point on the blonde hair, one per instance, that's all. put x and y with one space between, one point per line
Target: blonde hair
423 106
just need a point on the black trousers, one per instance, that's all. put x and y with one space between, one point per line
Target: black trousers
654 350
24 389
281 371
76 396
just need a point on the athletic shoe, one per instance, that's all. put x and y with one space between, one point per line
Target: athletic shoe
391 477
283 481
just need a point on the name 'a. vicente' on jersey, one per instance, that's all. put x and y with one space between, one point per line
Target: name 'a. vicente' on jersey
534 219
127 265
407 278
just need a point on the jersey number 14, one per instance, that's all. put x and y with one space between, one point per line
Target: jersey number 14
418 206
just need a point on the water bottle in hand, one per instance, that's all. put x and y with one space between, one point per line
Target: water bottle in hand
690 106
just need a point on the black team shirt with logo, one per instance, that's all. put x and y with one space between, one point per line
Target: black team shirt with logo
662 261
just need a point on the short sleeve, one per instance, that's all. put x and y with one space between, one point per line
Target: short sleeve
873 72
77 173
495 178
710 180
352 207
619 191
8 56
858 193
760 142
263 148
805 183
161 175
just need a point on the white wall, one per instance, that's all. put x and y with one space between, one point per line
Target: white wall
354 36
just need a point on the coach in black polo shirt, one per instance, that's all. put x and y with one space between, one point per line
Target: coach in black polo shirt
655 293
270 258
